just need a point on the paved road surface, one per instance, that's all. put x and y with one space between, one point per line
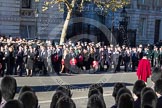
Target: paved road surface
45 86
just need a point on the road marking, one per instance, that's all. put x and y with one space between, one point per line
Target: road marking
76 98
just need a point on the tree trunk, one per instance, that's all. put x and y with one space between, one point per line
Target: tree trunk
65 27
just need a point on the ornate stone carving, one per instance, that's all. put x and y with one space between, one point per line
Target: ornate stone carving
27 12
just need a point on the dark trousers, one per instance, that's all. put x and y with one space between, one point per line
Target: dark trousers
9 70
87 65
102 64
80 65
126 66
56 67
118 66
20 69
134 66
117 69
155 62
1 72
44 69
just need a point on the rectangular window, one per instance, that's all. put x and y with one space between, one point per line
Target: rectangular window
129 21
142 27
26 4
157 31
27 31
157 2
145 4
141 1
148 2
160 28
160 3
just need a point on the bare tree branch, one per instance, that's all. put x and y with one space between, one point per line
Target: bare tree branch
69 7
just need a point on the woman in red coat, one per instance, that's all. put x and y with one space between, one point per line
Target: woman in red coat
144 69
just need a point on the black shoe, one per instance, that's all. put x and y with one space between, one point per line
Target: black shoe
20 75
58 74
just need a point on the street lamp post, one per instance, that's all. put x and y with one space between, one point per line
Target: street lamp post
112 28
123 27
36 25
36 18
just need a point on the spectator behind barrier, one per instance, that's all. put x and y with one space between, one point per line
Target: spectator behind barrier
95 101
137 88
65 89
144 90
13 104
126 101
65 102
96 91
149 99
8 88
158 90
56 97
93 91
117 87
24 89
96 86
156 74
29 99
120 92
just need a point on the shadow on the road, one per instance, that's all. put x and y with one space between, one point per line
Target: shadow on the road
79 87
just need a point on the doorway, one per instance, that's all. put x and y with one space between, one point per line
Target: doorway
157 31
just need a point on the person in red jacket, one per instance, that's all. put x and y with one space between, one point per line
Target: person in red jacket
144 69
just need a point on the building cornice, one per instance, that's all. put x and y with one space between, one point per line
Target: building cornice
146 12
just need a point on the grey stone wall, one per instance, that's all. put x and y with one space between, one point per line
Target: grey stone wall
10 17
50 22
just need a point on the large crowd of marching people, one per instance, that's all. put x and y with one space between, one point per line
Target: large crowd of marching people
20 56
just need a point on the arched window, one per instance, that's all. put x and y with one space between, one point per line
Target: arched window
26 3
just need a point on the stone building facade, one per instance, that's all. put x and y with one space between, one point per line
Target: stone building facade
144 21
10 17
25 18
146 17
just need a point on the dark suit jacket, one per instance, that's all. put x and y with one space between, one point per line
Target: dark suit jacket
137 103
19 59
159 104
